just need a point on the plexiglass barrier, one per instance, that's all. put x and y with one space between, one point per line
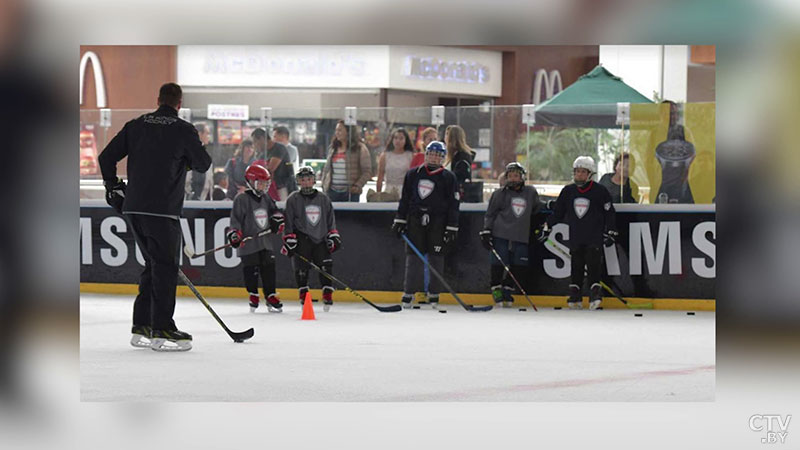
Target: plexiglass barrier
670 148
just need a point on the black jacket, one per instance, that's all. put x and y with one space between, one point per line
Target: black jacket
429 192
588 211
160 148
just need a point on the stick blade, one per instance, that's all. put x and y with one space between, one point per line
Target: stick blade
242 336
473 308
393 308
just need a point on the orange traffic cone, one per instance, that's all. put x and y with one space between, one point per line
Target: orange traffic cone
308 308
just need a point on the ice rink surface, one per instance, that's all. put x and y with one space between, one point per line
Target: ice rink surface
356 353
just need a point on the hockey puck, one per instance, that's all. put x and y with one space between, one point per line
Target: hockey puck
557 307
442 311
690 313
523 309
415 306
638 315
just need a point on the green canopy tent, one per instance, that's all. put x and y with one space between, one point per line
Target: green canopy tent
590 102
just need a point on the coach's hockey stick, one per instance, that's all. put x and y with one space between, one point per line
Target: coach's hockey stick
189 252
236 336
508 271
393 308
471 308
647 305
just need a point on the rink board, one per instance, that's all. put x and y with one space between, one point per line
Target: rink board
665 252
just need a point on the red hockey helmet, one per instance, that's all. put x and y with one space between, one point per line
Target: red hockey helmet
255 173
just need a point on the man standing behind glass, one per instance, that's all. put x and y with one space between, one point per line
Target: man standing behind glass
278 162
281 135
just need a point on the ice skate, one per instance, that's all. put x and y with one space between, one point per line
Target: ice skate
595 296
327 298
140 336
497 294
407 299
302 293
274 305
170 341
433 299
253 302
575 301
508 299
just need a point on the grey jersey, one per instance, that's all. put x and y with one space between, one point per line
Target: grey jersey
250 214
311 215
509 213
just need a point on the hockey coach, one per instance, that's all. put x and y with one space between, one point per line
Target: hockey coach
160 148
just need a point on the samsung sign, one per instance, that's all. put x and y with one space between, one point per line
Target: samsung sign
428 68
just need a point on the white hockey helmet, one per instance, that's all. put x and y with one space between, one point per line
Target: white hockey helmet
584 162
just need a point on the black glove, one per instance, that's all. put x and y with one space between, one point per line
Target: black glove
115 193
542 233
333 241
450 234
610 238
289 245
486 238
276 222
399 226
235 238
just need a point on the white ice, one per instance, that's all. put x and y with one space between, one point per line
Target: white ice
355 353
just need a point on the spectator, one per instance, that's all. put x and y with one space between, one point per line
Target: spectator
348 166
620 181
234 169
428 135
220 191
277 158
281 136
459 156
394 162
200 184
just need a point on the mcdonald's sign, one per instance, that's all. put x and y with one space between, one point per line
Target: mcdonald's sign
99 81
550 82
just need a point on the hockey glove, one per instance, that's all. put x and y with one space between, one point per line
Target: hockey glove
289 245
542 233
115 194
450 234
399 226
276 222
610 238
235 238
486 238
333 241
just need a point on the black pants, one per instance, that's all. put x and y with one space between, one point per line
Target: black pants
318 254
426 232
159 238
587 256
259 263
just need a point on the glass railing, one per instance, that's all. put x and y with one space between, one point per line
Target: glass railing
671 154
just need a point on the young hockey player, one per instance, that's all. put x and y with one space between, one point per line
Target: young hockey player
507 229
311 232
587 209
252 212
428 213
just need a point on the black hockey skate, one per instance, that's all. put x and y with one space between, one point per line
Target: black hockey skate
253 302
575 301
433 299
595 296
407 299
170 341
508 299
327 298
274 305
140 336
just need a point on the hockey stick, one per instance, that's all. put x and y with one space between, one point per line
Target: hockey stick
508 271
236 336
192 255
393 308
471 308
647 305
